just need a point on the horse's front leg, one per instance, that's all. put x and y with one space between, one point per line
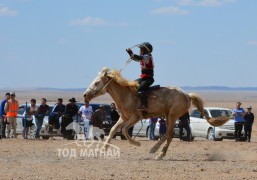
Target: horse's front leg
132 121
113 131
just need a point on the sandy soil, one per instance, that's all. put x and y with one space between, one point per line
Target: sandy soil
200 159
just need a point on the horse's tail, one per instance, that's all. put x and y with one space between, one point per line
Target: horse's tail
198 103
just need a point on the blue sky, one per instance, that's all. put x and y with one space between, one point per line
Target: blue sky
64 43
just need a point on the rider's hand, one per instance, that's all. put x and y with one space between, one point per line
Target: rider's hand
129 51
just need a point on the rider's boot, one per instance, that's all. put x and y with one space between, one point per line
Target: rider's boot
143 99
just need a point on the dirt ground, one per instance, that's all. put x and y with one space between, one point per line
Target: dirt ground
63 159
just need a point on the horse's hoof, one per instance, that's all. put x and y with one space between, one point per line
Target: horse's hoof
160 156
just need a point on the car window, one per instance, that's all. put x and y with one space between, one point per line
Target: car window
196 114
217 113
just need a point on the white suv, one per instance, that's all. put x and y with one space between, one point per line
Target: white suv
201 128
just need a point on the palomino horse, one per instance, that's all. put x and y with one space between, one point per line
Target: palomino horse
169 101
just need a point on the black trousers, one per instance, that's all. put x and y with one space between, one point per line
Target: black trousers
248 131
3 128
65 122
238 130
187 128
144 84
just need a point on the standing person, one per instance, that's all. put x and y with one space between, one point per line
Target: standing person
86 113
114 115
31 110
71 110
152 122
2 116
163 127
184 123
11 109
238 113
99 117
57 112
43 110
249 119
147 71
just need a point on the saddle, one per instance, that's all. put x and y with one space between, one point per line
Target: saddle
154 87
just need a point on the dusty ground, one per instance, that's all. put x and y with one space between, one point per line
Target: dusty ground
200 159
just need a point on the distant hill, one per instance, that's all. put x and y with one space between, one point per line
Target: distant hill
188 88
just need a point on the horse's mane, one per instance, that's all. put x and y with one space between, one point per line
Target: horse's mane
117 77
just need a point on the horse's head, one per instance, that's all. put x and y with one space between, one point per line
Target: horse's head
98 86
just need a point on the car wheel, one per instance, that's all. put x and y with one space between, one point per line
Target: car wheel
45 137
210 134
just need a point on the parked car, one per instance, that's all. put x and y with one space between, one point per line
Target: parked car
201 128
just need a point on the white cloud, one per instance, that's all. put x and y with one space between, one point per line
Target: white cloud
207 3
170 11
5 11
89 21
252 43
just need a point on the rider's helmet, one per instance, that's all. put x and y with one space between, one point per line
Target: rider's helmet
146 47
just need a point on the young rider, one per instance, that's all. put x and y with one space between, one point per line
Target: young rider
147 71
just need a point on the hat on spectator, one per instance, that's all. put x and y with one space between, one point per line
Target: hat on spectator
249 107
100 106
72 100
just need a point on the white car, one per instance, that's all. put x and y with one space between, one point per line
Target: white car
201 128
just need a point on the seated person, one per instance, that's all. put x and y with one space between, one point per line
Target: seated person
67 118
57 112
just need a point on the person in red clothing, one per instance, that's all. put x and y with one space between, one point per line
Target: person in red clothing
147 71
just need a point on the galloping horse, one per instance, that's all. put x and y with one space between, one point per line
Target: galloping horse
172 102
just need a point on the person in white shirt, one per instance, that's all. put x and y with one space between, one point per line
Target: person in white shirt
86 112
31 110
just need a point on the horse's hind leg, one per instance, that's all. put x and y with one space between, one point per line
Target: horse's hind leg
132 120
159 143
169 135
113 131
